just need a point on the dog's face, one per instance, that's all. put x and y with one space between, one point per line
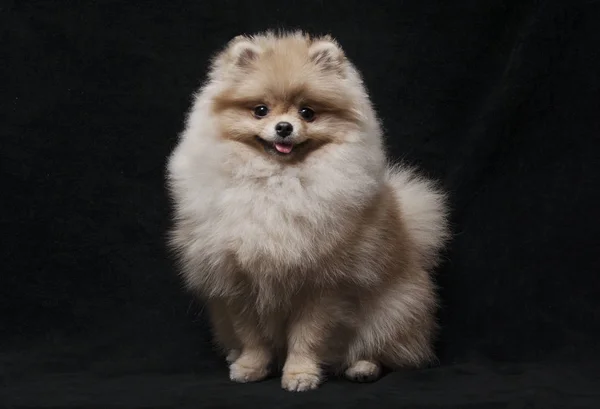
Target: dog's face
285 96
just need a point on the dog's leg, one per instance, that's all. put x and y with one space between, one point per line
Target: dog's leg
307 334
251 362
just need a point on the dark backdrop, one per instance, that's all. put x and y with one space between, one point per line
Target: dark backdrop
499 100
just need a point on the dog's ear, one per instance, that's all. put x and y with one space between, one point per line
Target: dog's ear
327 53
242 51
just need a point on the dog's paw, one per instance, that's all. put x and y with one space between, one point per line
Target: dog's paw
299 382
243 374
363 371
250 366
232 356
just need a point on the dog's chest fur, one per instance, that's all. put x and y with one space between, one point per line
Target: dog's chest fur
276 222
271 223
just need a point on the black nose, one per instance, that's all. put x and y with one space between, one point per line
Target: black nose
283 129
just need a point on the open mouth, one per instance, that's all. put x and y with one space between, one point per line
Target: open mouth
279 148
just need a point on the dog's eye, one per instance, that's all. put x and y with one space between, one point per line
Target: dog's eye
261 111
307 114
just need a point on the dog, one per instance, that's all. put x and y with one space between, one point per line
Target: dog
311 250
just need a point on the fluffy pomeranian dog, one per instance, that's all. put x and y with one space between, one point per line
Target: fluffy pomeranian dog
312 253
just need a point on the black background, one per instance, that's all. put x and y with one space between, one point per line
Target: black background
499 100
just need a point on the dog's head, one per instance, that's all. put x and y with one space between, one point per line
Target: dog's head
287 95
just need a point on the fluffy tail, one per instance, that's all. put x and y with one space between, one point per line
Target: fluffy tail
423 208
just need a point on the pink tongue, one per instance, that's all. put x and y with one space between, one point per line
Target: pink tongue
284 147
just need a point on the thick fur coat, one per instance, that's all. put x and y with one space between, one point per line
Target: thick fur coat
308 248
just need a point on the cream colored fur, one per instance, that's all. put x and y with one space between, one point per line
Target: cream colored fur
320 262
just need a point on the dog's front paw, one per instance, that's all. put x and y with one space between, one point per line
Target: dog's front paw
363 371
300 381
250 366
243 374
